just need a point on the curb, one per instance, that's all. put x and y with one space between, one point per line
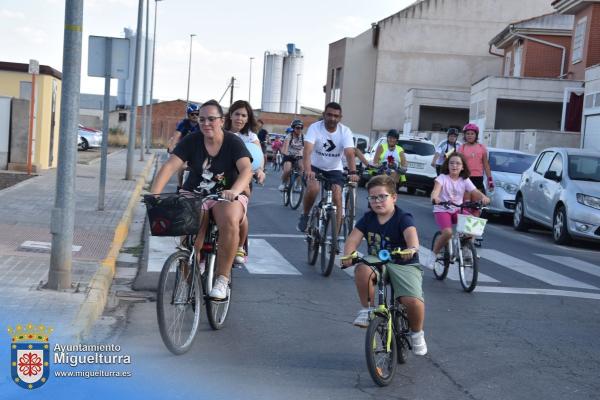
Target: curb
96 298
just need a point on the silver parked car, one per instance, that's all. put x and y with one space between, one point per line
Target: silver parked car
89 138
561 190
507 167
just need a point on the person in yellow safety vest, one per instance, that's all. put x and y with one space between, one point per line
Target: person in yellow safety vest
393 154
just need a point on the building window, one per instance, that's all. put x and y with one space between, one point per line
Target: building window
507 63
122 117
579 40
337 85
518 58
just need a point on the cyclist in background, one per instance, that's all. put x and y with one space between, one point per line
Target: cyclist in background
451 185
476 155
392 155
184 127
387 227
262 137
293 146
445 148
324 145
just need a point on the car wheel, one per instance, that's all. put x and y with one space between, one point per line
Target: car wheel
519 221
560 233
84 145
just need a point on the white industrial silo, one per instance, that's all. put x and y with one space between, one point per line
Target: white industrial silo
272 76
292 76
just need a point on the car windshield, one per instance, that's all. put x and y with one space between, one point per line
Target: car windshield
584 168
419 148
514 163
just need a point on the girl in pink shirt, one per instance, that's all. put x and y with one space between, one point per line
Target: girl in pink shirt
477 157
451 185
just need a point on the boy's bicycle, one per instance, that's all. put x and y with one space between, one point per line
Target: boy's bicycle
460 249
185 282
388 336
294 187
321 232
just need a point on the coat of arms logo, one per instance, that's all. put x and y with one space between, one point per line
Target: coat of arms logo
30 355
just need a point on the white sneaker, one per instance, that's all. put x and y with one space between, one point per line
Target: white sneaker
419 347
281 187
362 319
219 290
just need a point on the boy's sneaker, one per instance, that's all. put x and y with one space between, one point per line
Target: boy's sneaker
281 187
302 223
362 319
419 347
240 257
219 290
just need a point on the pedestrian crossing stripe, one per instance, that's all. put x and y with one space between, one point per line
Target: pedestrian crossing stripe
265 259
574 263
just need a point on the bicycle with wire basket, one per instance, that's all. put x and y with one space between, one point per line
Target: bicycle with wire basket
322 232
294 187
185 281
460 249
387 341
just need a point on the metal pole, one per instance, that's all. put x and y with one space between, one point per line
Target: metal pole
187 98
134 93
149 143
250 82
231 93
30 134
105 117
145 88
62 219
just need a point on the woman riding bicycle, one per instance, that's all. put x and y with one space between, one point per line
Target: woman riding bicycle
390 155
451 186
219 163
292 149
388 227
241 121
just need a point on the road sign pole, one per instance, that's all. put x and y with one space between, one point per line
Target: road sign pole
105 118
134 95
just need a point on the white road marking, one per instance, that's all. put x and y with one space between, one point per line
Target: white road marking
531 270
545 292
265 259
45 246
574 263
425 255
159 248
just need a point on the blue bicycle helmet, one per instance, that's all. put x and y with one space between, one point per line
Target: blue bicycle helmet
192 107
289 130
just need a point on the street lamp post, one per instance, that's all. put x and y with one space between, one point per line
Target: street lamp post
187 99
250 82
149 141
145 88
297 90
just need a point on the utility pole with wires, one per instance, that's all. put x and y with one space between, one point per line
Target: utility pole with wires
230 86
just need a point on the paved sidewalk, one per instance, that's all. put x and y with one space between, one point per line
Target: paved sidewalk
25 211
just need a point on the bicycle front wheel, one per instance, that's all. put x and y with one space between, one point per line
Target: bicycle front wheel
348 222
296 191
328 244
216 310
313 238
178 303
468 270
286 193
442 263
381 361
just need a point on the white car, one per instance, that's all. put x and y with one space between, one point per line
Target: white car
419 154
507 167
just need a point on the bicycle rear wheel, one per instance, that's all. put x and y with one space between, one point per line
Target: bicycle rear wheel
313 237
178 304
296 191
468 270
216 310
286 192
442 264
349 213
381 363
328 243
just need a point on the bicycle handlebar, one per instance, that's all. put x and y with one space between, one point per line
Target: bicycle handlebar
475 205
384 256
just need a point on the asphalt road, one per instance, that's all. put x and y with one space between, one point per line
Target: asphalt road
529 331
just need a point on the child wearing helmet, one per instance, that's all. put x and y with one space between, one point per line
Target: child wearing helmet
392 154
445 148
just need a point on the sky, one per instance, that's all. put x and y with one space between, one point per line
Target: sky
227 33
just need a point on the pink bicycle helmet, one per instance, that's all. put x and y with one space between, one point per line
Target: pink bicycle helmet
471 127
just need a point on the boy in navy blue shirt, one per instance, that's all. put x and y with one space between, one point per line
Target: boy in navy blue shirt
388 227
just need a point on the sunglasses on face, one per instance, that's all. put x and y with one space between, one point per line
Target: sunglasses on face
193 114
298 128
210 119
378 198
